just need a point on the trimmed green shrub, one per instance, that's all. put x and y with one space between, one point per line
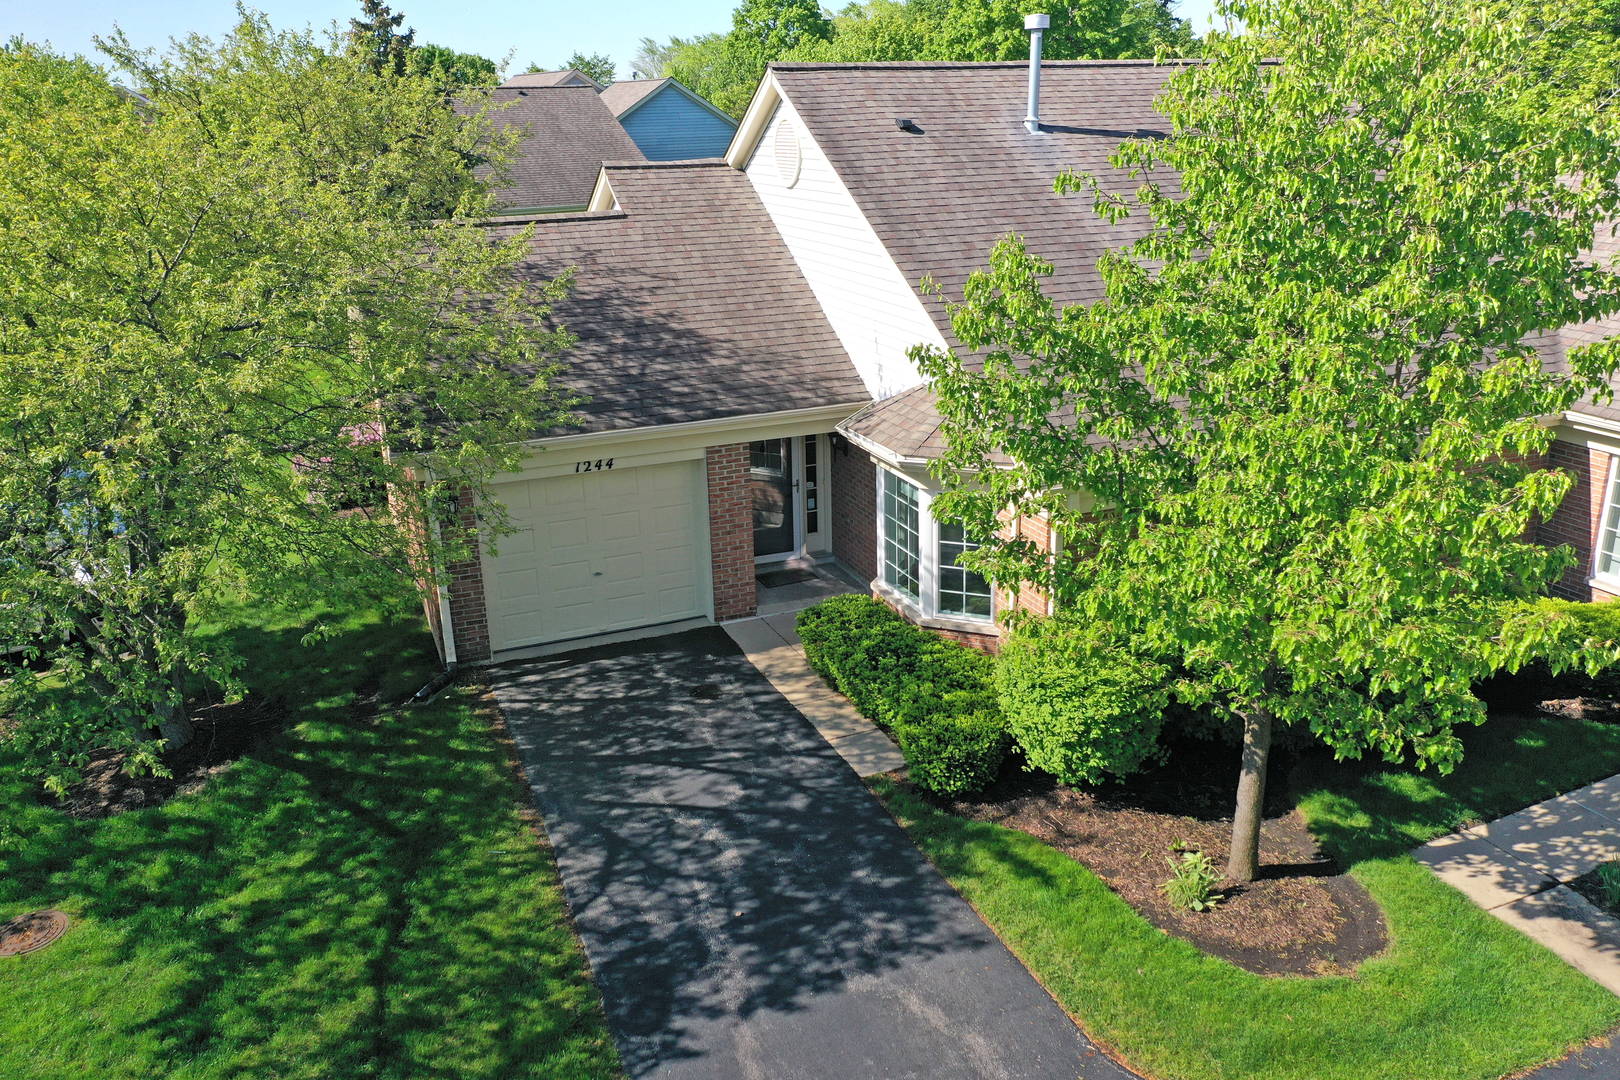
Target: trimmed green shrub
1601 622
951 754
1079 702
938 697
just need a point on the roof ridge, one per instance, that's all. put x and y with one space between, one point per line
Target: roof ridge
548 219
686 163
957 65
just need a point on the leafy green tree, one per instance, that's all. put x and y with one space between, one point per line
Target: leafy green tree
769 28
725 68
597 66
232 316
452 68
1294 451
376 40
717 68
652 59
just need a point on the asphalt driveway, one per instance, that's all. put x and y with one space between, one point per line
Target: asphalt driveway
749 909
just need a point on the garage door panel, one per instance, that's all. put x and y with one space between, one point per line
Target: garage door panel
625 525
627 483
518 584
557 493
521 542
601 551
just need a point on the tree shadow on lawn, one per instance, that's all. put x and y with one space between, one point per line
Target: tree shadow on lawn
359 899
1373 809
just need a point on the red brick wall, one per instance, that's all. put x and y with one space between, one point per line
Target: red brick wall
731 532
1029 598
854 510
1576 520
469 615
988 642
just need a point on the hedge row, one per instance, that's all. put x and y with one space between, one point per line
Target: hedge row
936 696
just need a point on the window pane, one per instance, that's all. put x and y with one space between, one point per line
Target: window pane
1608 549
902 549
961 591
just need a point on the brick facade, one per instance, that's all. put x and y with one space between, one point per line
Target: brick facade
1576 521
731 532
1039 532
469 614
854 509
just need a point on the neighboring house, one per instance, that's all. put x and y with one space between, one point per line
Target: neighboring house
570 135
668 121
743 335
568 77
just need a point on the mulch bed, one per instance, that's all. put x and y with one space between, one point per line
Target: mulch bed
1302 916
223 734
1590 887
1582 708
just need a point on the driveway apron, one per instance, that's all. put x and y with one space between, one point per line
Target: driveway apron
749 909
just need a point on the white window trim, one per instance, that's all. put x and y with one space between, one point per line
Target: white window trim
1610 579
925 609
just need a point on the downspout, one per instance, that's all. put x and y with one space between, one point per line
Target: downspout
448 632
1036 25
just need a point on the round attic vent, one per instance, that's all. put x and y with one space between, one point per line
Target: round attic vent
789 156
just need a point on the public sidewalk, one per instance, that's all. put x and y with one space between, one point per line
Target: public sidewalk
1518 868
772 645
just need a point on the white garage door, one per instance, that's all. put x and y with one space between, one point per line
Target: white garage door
597 552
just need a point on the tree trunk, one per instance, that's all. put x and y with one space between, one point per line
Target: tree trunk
177 729
1244 861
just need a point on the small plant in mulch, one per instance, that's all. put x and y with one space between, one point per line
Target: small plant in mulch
1193 878
1608 883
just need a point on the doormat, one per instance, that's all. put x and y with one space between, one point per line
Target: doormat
775 579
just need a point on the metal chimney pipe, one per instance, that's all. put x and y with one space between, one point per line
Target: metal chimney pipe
1036 25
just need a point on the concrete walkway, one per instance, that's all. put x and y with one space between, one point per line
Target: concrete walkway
748 908
772 645
1518 869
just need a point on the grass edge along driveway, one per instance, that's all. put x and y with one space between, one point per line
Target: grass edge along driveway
363 899
1458 996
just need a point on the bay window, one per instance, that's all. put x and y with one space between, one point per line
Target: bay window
902 540
919 559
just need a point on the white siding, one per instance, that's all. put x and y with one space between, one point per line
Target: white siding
872 308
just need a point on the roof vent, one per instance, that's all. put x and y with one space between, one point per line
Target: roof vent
1036 25
903 123
789 155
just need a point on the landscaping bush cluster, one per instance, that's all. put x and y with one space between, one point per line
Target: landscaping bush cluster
1079 701
1599 621
936 696
1074 697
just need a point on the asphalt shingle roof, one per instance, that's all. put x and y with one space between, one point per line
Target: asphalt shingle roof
565 77
620 96
571 133
687 304
1554 346
941 196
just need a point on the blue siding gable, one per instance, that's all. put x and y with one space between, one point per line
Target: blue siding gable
669 126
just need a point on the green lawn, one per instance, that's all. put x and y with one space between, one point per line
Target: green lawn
361 901
1459 995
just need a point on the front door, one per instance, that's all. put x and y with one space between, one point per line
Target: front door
770 483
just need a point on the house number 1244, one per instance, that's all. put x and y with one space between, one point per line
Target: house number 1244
593 466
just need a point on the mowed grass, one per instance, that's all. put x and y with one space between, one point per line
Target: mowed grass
1458 996
362 900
